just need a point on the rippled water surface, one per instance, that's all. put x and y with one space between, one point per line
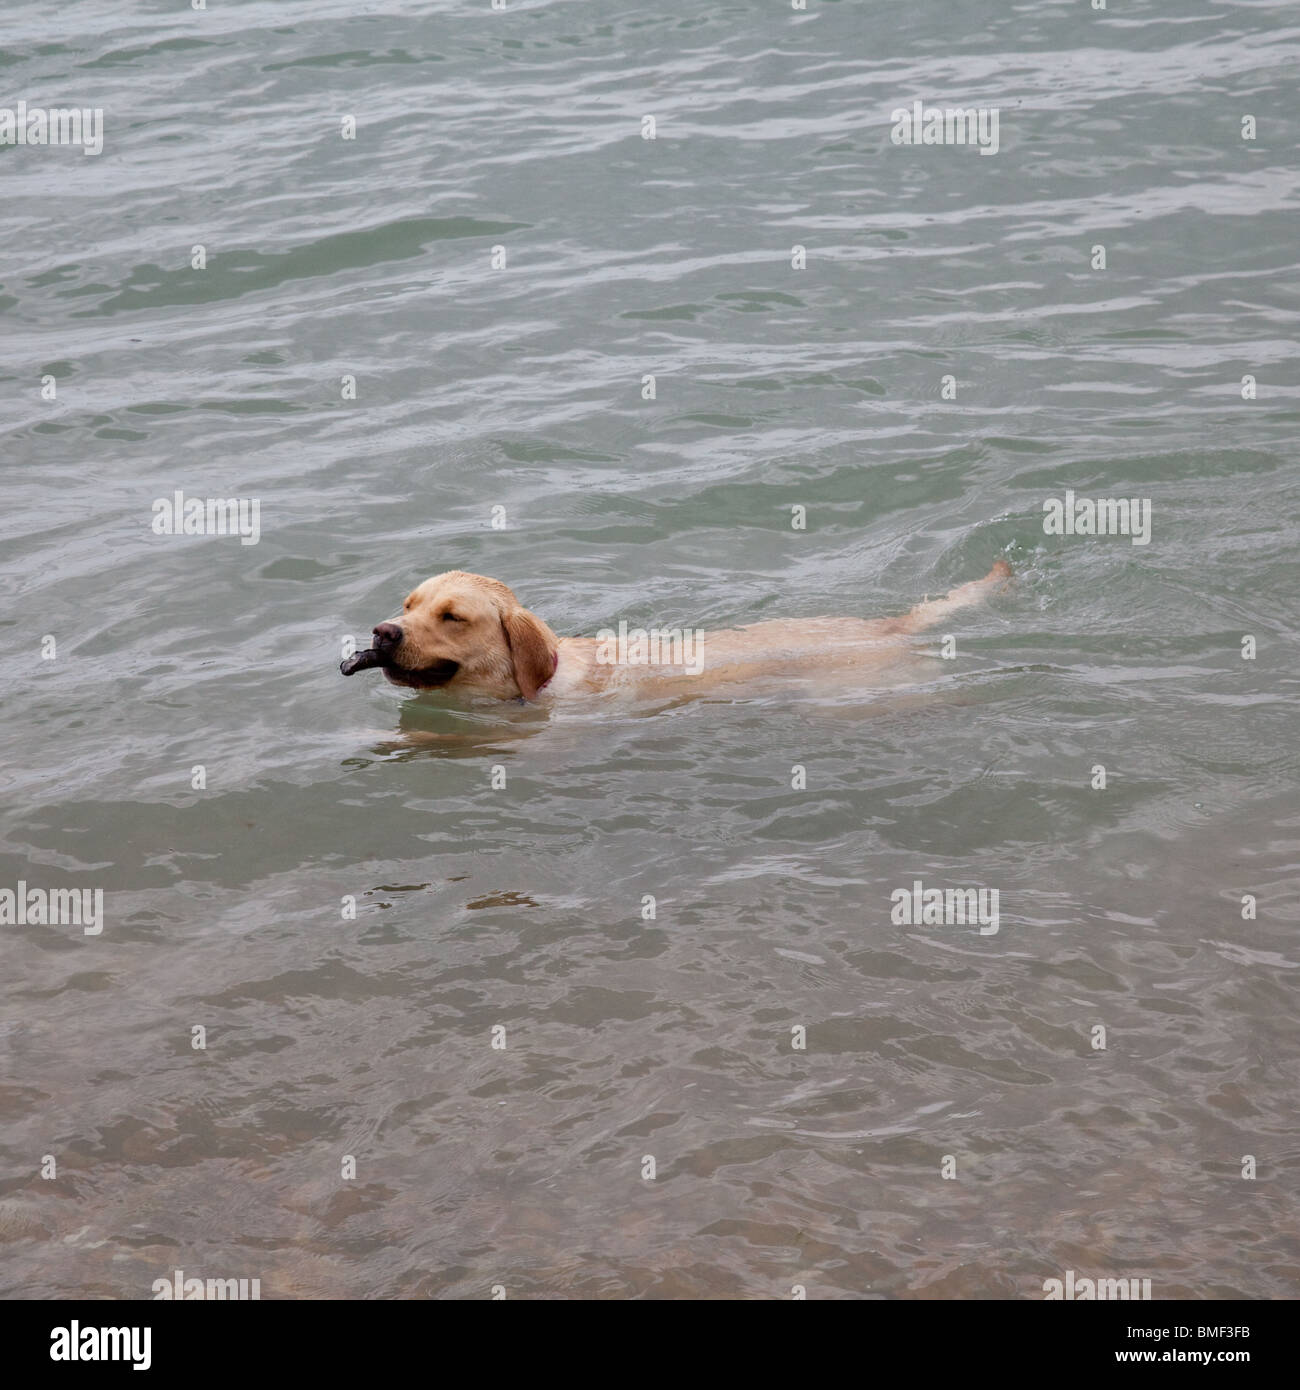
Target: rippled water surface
481 387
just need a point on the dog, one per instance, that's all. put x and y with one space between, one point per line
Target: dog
469 635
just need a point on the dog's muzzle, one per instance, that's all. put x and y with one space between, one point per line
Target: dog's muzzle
388 637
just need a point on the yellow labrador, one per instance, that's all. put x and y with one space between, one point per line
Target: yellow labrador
470 635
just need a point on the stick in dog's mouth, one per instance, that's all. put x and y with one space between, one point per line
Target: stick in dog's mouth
425 678
361 661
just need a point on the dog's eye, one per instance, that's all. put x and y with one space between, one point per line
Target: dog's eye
452 618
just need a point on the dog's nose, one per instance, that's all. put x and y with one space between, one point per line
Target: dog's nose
387 635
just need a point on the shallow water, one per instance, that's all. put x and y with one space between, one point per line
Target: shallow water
522 906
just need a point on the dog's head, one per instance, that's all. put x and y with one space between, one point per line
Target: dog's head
466 633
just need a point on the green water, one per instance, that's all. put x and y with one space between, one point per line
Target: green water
516 392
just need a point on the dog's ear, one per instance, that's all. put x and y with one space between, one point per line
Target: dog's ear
532 650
